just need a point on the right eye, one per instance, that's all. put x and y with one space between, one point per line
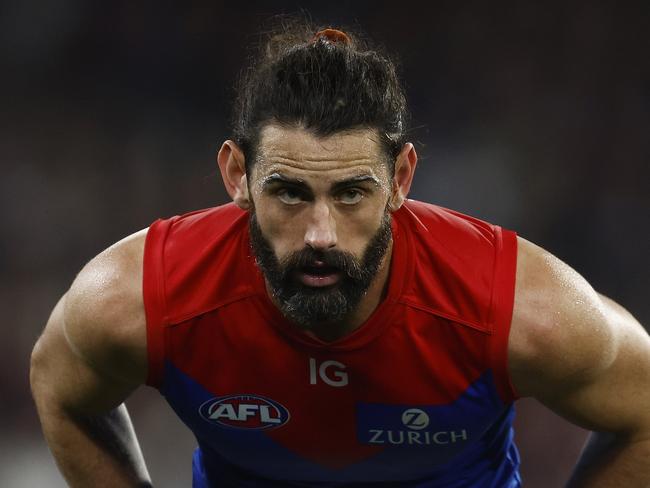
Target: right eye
290 196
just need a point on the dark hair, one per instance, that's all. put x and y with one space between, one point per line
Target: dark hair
327 83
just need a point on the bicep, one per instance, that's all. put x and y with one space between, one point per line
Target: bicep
62 378
617 397
579 353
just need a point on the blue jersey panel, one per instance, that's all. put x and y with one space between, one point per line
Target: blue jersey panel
414 453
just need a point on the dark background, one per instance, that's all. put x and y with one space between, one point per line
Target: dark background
535 116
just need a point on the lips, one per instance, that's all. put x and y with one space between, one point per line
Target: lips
319 275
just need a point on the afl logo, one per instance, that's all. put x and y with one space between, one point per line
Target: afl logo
244 412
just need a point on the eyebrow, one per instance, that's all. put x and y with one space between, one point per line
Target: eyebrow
278 178
354 180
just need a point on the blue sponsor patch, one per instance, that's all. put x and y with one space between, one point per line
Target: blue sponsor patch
447 426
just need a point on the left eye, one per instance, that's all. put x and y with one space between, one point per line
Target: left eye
350 197
290 196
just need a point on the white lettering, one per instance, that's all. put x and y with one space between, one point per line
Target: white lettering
266 417
378 436
392 441
460 435
224 410
413 437
438 435
337 378
375 435
247 410
312 371
341 377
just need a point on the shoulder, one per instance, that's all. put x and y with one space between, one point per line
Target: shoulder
426 215
464 268
195 263
461 242
561 332
103 314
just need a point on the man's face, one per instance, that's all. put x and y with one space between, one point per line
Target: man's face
320 228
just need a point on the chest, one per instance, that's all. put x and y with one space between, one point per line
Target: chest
405 403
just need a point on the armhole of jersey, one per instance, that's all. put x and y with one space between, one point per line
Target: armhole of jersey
153 294
503 297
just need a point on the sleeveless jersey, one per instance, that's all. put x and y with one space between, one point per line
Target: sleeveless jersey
418 396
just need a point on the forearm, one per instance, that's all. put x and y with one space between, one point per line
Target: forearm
609 462
99 451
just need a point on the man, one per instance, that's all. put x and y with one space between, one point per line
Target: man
323 330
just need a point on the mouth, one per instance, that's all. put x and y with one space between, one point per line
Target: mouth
319 275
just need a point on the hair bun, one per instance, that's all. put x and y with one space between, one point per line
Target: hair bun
332 35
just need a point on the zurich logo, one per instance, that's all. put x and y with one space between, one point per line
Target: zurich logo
415 419
244 412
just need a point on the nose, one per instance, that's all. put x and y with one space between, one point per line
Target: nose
321 229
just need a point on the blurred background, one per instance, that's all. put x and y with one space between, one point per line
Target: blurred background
535 116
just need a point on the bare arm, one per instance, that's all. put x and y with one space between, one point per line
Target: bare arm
587 359
87 361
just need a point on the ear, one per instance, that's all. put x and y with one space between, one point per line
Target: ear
233 171
405 165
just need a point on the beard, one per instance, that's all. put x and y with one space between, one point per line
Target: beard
311 306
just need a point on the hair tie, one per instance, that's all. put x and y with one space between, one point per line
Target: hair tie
332 35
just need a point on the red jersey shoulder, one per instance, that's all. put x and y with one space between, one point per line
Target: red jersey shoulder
200 260
458 260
